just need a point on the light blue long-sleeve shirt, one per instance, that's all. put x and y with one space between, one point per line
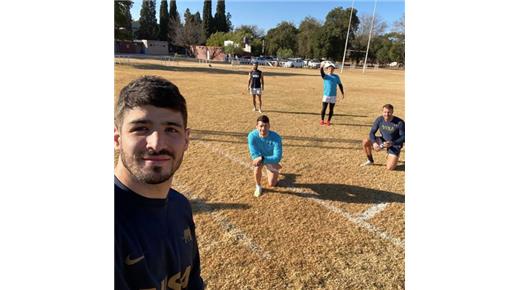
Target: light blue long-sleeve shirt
270 147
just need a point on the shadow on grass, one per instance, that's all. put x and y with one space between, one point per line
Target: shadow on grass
201 206
336 192
243 135
313 113
210 70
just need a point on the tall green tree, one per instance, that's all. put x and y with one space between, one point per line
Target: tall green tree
221 23
282 36
163 21
148 28
122 20
174 23
207 19
192 32
334 32
308 38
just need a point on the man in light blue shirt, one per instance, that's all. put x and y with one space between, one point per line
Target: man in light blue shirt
265 148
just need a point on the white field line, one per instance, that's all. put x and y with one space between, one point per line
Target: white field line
372 211
358 220
232 231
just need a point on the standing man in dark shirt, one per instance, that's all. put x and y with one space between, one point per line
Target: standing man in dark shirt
255 86
392 131
155 242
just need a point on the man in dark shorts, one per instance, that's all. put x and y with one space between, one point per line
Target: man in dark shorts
155 242
392 131
255 86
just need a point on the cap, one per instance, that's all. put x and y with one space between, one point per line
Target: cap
328 63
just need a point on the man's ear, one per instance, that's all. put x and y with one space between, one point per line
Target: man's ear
117 137
188 133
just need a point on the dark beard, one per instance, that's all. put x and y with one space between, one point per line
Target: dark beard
154 177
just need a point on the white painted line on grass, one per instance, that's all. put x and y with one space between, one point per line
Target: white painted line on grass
360 220
231 230
372 211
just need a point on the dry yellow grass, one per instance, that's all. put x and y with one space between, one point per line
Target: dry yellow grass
307 233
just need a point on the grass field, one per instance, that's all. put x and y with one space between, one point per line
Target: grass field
330 224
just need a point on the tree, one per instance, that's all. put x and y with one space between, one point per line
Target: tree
251 30
191 33
334 32
174 23
148 28
217 39
163 21
282 36
308 38
220 17
228 22
207 19
399 25
361 41
122 20
284 53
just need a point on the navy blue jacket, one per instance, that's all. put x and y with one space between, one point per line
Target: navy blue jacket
390 131
155 243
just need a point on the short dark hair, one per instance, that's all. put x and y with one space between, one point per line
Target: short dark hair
389 107
263 119
150 90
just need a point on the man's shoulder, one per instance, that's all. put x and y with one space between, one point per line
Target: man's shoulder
397 120
178 198
275 135
253 133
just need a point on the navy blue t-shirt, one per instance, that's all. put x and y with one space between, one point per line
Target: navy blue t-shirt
390 131
155 243
255 76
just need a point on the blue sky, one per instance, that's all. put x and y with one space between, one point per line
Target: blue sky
267 14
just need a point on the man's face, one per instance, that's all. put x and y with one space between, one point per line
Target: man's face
151 143
330 69
387 114
263 128
255 66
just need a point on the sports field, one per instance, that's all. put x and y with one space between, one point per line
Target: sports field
330 224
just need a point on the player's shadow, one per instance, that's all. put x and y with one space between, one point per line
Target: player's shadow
313 113
335 192
200 135
400 166
210 70
201 206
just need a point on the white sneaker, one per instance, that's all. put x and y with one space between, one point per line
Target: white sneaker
258 192
254 109
260 111
367 163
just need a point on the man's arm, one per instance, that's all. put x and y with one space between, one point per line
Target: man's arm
253 152
249 81
322 72
400 140
262 80
195 280
277 153
341 89
373 130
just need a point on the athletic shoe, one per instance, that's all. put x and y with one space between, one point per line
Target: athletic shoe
321 122
254 109
258 192
260 111
367 163
328 123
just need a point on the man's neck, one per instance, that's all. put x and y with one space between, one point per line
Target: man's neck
146 190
